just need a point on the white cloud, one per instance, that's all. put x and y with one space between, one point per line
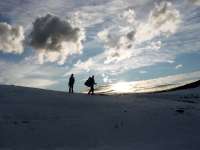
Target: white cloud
143 58
11 38
150 85
119 38
179 66
27 11
106 78
96 14
26 73
164 19
123 41
196 2
87 65
37 83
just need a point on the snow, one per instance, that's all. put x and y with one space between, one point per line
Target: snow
38 119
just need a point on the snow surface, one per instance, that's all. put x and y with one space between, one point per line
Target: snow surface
37 119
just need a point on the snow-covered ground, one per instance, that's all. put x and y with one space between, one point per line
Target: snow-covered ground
37 119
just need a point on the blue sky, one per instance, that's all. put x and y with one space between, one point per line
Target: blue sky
43 41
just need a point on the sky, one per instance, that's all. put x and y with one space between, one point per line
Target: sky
42 42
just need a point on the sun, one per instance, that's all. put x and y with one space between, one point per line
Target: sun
121 87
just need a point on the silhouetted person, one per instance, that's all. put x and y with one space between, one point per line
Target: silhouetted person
71 83
91 85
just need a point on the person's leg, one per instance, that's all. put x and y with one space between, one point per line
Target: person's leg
72 88
89 90
92 89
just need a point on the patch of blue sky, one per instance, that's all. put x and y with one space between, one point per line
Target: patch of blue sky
4 18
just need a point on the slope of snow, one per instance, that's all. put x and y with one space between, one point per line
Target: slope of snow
37 119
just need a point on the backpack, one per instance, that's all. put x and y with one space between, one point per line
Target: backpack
88 82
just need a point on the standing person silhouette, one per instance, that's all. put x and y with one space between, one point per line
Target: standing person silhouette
71 83
91 83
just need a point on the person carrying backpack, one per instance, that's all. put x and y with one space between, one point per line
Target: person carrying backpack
90 83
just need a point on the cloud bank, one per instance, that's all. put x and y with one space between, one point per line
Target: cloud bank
11 38
26 73
122 39
150 85
55 39
131 43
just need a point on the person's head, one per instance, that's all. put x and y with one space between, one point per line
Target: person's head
72 75
93 76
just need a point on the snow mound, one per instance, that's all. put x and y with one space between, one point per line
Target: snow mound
41 119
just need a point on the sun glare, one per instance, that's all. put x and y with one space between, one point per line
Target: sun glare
121 87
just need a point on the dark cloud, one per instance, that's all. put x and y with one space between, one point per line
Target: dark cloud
50 31
131 35
55 39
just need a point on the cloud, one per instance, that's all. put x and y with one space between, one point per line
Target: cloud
119 38
178 66
122 39
55 39
85 65
149 85
196 2
164 20
129 45
91 15
142 58
143 72
26 73
37 83
122 31
11 38
106 78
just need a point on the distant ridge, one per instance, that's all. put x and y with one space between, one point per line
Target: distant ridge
6 89
183 87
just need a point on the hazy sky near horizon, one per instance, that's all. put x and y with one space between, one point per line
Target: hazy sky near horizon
43 41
